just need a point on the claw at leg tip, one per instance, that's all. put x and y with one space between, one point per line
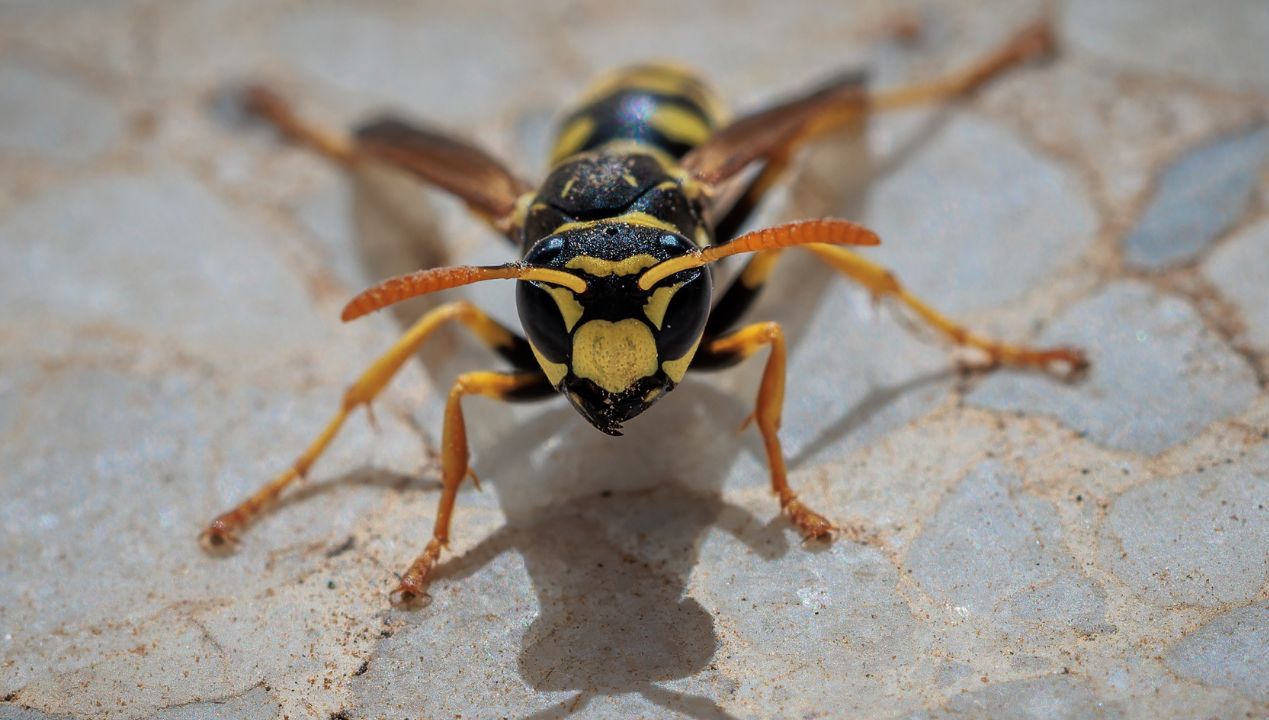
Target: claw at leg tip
409 597
217 538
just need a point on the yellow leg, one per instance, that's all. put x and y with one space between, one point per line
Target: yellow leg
1034 41
882 283
223 530
454 467
770 404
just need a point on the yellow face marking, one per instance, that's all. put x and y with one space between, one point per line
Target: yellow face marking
614 354
631 180
555 372
604 268
676 369
680 125
572 137
570 309
631 218
660 300
567 186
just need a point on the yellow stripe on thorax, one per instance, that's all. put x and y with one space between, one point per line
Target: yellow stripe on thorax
631 218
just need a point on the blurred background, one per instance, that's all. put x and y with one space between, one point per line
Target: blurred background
172 276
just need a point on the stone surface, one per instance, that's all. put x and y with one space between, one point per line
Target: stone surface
1013 546
1220 48
1050 697
1198 539
1158 376
45 115
990 552
1200 196
962 207
1238 270
1231 651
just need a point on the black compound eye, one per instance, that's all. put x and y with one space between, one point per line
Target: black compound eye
685 316
546 252
542 319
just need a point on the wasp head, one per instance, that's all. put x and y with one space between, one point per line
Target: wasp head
616 348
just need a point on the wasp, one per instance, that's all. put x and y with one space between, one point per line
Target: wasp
615 293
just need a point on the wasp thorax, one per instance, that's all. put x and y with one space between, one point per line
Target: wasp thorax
616 348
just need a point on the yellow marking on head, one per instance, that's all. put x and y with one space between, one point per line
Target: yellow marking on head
759 268
568 185
676 369
657 304
631 218
653 394
614 354
570 309
631 180
573 137
603 268
679 124
555 372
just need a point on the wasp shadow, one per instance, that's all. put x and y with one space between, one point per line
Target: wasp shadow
610 531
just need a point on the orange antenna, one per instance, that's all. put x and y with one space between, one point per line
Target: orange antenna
804 232
404 287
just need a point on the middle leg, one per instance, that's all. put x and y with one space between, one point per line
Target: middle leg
731 349
882 283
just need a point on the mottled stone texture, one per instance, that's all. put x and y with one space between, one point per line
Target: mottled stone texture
1017 546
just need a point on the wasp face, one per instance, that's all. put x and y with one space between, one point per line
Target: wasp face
614 349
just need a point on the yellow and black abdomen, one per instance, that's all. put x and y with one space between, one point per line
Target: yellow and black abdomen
661 105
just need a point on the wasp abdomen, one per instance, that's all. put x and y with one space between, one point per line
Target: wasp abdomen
661 105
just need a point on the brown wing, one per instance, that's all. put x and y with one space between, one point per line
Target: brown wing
776 131
451 164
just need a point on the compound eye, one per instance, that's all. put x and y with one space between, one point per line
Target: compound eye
685 315
546 253
541 308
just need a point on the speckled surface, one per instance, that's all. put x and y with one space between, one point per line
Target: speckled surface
1028 548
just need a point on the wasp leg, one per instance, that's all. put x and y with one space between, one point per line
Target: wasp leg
883 283
223 530
734 347
776 132
454 463
1034 41
456 166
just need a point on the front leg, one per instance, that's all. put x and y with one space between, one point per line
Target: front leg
454 464
737 346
